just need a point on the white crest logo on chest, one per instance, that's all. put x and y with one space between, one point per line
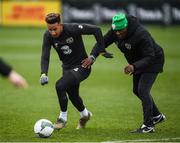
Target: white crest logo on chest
128 46
66 49
70 40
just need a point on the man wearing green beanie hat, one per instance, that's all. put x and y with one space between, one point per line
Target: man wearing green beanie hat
145 61
119 22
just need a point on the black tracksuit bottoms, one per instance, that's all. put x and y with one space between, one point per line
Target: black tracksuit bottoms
69 84
142 84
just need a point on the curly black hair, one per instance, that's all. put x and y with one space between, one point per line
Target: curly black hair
52 18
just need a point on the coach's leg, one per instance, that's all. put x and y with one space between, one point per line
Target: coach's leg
136 79
135 84
142 84
156 111
145 84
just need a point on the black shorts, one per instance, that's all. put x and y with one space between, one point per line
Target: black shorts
79 72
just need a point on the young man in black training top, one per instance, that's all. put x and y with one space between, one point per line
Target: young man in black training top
67 40
146 60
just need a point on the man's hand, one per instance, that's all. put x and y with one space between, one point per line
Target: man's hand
17 80
86 63
44 79
129 69
107 55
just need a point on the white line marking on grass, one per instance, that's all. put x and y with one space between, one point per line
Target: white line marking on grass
146 140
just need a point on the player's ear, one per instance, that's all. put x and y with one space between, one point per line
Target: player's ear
61 26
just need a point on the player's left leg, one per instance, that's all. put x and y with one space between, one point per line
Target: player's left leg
81 74
77 101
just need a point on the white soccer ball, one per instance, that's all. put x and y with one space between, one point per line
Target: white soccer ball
43 128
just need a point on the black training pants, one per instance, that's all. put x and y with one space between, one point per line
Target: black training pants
142 84
69 84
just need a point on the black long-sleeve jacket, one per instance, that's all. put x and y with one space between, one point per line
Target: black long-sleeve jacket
69 45
5 69
139 48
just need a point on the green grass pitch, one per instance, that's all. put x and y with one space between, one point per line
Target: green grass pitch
107 93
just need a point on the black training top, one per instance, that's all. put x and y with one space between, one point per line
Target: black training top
5 69
139 48
69 45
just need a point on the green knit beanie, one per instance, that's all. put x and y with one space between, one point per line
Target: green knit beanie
119 22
